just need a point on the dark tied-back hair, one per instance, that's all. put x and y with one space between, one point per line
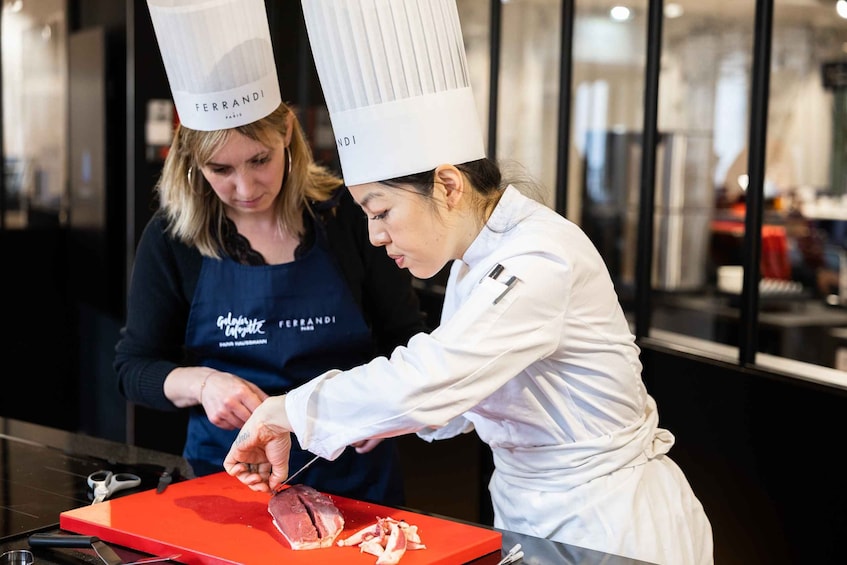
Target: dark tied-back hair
483 174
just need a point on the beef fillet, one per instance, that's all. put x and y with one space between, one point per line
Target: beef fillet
306 518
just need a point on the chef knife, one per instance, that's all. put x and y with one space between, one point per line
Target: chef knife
290 477
103 551
154 559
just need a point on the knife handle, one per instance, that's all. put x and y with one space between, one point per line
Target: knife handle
61 540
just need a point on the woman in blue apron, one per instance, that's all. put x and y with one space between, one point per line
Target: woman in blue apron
255 276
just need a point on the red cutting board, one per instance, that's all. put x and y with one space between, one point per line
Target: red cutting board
216 520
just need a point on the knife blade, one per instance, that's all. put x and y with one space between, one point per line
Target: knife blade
106 554
154 559
165 479
291 477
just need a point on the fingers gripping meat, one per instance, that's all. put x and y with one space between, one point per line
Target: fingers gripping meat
306 518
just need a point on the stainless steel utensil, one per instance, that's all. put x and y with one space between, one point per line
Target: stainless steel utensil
154 559
17 557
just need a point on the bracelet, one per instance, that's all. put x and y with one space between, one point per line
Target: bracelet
203 385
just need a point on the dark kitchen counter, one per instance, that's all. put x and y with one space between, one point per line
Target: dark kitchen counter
796 327
44 473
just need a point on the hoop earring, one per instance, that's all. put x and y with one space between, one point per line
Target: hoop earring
289 159
190 176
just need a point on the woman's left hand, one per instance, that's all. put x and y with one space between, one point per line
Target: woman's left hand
260 453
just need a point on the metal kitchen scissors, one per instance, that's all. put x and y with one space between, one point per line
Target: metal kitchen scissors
106 483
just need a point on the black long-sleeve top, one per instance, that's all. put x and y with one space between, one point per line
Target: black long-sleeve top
165 275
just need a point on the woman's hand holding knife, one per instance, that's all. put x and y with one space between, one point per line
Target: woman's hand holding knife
259 456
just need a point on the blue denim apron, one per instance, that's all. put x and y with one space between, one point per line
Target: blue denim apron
278 326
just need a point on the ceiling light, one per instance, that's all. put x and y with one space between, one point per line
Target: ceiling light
841 8
620 13
673 10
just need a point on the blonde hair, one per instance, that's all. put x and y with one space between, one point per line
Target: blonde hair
195 214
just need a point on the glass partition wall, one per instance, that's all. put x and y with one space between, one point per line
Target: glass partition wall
34 120
710 66
709 97
711 103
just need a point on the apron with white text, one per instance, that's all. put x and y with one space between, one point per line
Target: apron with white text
278 326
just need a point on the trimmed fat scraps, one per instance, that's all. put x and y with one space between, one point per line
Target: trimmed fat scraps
387 538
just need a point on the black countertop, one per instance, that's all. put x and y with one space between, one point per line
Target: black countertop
44 473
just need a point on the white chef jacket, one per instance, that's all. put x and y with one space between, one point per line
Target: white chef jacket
547 372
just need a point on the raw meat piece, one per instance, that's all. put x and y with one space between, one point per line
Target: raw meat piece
372 546
395 546
365 534
306 518
388 539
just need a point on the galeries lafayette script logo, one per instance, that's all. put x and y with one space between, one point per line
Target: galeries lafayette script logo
240 328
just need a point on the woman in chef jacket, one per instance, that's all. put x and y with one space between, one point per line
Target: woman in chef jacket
256 274
533 351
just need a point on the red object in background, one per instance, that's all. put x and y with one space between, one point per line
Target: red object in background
216 520
775 263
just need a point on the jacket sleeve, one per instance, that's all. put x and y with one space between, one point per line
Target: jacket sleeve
150 346
491 338
388 300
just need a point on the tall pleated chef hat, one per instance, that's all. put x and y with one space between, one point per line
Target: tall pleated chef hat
395 77
219 60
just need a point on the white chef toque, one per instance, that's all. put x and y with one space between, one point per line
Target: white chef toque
395 79
219 60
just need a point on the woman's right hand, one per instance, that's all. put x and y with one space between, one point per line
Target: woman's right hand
227 399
